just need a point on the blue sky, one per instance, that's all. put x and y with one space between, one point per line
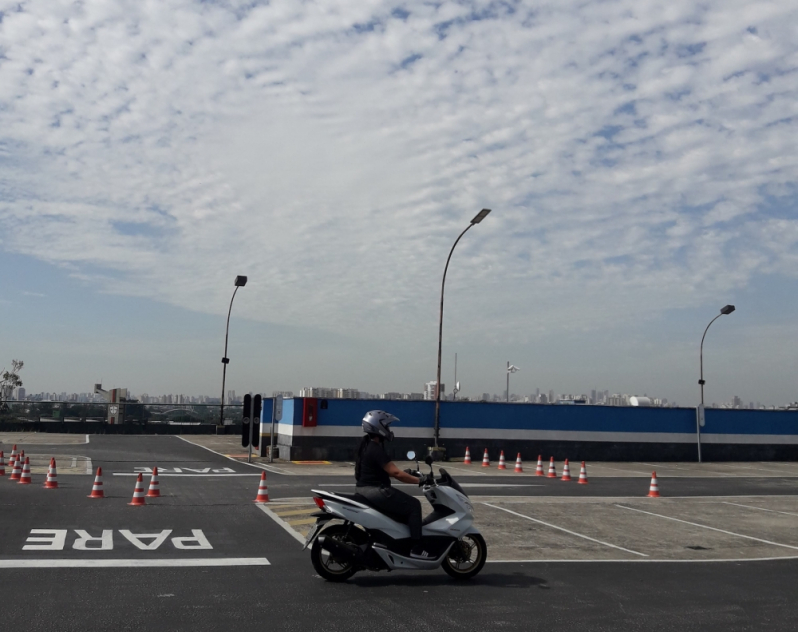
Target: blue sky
638 157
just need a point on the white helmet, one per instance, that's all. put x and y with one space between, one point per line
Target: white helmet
378 422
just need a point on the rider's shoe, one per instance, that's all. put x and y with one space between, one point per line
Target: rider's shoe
419 553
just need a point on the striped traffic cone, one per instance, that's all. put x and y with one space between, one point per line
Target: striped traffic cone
2 464
502 462
583 475
263 489
24 479
138 493
566 472
518 466
97 488
52 476
16 470
485 459
467 459
653 490
539 468
154 491
552 469
13 455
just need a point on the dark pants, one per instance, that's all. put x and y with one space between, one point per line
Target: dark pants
397 505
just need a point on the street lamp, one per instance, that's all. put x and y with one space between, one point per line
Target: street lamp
699 420
477 219
510 369
240 281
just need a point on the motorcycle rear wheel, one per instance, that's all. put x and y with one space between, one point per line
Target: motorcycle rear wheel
323 561
466 557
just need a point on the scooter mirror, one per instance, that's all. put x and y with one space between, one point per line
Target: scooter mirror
411 456
428 460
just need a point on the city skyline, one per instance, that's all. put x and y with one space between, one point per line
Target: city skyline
639 164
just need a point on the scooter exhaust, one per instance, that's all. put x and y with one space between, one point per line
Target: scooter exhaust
340 550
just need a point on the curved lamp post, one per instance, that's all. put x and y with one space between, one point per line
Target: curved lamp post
699 420
511 368
240 281
479 217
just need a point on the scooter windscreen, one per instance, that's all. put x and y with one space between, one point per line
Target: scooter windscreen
446 479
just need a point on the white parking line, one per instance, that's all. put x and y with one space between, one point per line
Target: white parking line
132 563
786 513
636 561
192 475
553 526
703 526
297 536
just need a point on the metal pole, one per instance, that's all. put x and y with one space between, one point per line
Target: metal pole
701 382
454 390
251 431
225 359
440 346
507 392
271 433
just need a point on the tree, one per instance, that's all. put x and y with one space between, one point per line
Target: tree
9 380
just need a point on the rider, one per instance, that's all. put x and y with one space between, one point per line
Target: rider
373 473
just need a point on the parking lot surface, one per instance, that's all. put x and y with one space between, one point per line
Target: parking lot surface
718 549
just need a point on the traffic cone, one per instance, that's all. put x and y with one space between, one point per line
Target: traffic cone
539 468
52 476
653 490
552 469
502 462
25 478
582 475
518 467
16 471
13 456
154 491
566 472
97 488
485 460
263 489
138 492
467 459
2 464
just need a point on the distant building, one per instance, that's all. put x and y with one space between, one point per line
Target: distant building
431 391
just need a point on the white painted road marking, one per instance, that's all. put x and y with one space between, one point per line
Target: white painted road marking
268 468
553 526
128 563
55 540
786 513
220 475
703 526
636 561
298 537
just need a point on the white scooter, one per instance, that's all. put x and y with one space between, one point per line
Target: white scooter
350 535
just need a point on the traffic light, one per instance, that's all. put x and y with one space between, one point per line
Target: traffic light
256 406
251 415
247 415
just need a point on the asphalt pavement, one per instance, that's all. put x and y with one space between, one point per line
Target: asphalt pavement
204 556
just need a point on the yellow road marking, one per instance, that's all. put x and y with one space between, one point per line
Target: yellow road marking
295 523
295 513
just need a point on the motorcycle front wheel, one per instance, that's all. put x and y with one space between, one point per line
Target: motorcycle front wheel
466 557
323 561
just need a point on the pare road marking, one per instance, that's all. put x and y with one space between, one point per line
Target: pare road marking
186 471
56 539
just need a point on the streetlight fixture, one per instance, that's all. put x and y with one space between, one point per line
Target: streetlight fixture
511 368
477 219
699 420
240 281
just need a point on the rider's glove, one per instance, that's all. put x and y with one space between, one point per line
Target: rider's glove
422 480
409 471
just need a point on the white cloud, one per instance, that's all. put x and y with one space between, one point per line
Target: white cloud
333 151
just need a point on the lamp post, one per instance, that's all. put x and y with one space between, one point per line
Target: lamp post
477 219
510 369
699 419
240 281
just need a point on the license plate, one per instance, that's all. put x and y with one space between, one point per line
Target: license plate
312 534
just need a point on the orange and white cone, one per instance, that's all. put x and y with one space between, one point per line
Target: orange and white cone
485 459
154 491
25 478
13 455
16 470
263 490
518 465
552 470
539 469
583 475
653 490
52 476
2 464
97 488
467 459
502 462
138 492
566 472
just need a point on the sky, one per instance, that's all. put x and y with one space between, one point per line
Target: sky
638 157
